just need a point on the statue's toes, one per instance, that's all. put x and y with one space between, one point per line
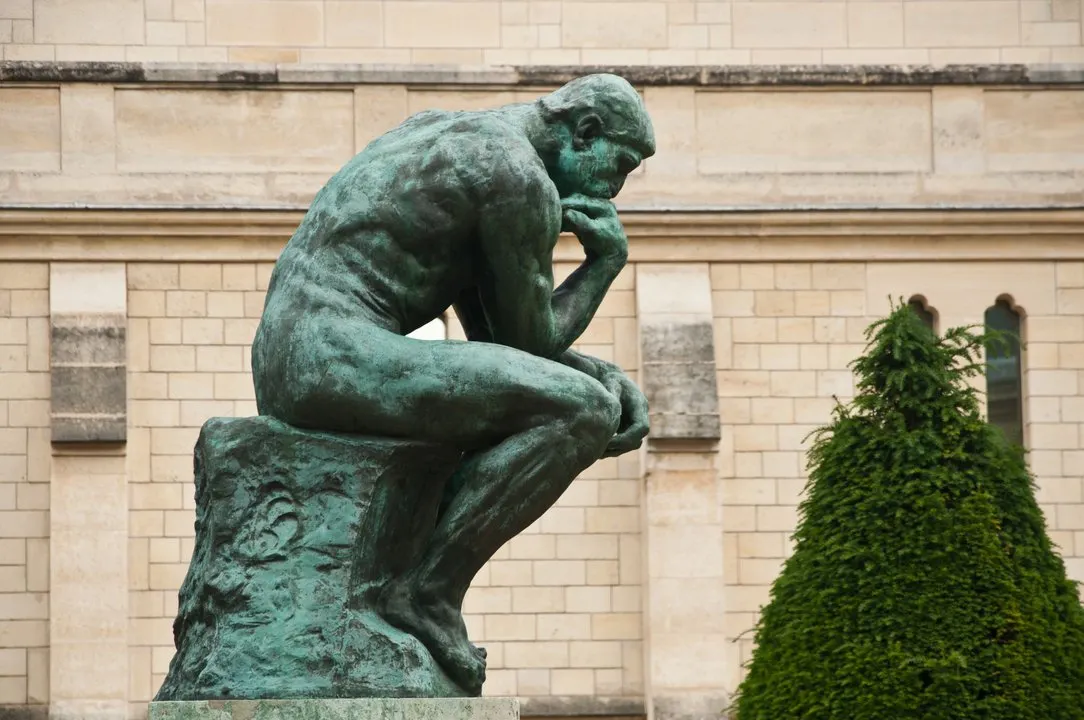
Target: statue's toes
475 671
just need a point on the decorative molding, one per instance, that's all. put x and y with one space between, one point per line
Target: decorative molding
254 74
143 235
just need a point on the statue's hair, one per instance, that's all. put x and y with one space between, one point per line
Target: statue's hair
611 98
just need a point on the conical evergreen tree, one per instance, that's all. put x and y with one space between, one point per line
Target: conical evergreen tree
923 584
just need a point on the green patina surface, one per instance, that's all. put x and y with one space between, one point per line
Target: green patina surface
357 709
337 534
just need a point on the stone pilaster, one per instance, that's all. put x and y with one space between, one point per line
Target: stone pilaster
686 647
88 625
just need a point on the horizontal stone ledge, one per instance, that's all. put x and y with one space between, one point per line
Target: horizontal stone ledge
682 446
174 235
580 706
256 74
145 223
91 428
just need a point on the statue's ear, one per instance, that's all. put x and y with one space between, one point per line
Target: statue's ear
587 129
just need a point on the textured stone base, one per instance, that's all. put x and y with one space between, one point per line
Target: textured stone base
297 533
352 709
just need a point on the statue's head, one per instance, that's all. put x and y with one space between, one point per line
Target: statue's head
601 132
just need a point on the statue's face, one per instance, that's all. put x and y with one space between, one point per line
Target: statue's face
592 163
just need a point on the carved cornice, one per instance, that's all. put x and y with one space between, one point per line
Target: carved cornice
256 74
715 236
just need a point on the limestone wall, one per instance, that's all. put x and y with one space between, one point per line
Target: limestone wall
24 483
628 592
631 589
837 142
467 32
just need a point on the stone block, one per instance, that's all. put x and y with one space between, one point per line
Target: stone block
875 25
89 379
424 24
87 128
339 709
17 9
958 131
591 25
1052 33
789 25
798 132
89 22
353 24
88 353
1014 145
286 23
30 129
377 109
272 502
673 112
233 130
962 23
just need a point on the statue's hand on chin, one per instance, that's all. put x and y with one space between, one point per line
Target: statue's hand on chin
595 224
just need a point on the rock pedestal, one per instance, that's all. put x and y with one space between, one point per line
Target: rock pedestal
296 534
365 709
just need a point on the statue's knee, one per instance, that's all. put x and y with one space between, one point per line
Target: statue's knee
598 415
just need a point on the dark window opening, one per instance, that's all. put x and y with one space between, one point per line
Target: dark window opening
924 313
1004 378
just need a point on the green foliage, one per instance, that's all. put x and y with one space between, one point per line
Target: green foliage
923 584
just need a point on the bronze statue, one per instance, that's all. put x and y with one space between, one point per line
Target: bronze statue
461 209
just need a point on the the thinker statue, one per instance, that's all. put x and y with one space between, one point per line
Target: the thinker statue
463 210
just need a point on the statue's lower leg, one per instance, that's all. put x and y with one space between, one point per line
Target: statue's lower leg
502 491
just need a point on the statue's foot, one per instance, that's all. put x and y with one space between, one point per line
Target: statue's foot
441 629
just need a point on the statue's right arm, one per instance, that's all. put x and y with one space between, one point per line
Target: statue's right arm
517 228
520 217
518 231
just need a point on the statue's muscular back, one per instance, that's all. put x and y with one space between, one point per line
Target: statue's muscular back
392 235
391 241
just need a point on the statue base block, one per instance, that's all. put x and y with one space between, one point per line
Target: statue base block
297 533
352 709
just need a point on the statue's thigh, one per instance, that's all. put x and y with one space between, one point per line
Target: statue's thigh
464 393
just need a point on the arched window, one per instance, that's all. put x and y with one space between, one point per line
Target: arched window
435 329
1004 378
924 312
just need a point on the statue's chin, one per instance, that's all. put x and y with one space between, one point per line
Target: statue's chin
608 191
600 191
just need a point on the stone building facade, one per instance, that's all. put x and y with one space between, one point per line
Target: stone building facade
156 155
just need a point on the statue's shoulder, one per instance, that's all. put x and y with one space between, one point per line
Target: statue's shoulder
494 152
488 134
